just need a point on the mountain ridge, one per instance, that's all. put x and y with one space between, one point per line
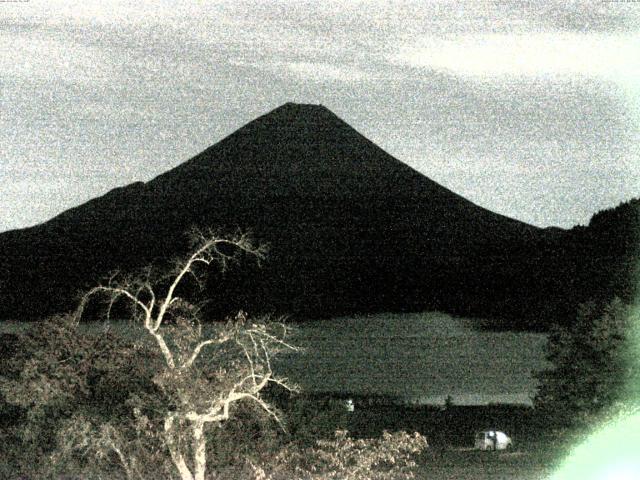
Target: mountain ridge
351 229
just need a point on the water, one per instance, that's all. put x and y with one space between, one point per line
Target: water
420 358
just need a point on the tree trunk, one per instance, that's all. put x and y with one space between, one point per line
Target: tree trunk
176 455
200 451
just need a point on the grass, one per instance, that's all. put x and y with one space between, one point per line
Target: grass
467 464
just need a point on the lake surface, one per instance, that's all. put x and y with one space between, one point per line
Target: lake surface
417 357
420 358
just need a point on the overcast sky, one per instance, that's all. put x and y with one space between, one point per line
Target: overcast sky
530 109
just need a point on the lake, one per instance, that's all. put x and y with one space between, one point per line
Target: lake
419 357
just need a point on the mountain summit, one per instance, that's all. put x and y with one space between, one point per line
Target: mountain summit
302 150
350 229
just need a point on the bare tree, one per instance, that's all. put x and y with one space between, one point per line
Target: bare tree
202 376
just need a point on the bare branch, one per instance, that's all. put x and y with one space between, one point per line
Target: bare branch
199 397
255 349
246 354
166 353
284 383
266 355
203 254
261 331
200 346
114 292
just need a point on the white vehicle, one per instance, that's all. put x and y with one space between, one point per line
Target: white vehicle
492 440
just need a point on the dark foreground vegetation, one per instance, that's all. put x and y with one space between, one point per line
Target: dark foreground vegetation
177 402
47 432
69 398
78 405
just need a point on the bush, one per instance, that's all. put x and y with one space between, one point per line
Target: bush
389 457
90 405
255 436
307 418
71 387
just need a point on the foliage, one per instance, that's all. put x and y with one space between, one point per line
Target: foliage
93 407
390 457
393 456
99 403
252 435
309 417
75 390
591 366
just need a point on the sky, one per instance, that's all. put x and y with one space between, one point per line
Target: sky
530 109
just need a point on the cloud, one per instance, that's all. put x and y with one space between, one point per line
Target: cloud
614 57
97 86
320 71
583 16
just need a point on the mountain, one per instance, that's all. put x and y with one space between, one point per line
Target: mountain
350 229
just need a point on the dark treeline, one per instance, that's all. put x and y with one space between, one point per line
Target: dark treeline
444 425
452 426
593 263
350 230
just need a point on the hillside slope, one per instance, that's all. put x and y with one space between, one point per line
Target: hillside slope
350 229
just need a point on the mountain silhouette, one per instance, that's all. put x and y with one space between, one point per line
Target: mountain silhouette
350 229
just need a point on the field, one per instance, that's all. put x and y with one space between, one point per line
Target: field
465 464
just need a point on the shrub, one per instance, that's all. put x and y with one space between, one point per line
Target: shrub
389 457
98 403
66 385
